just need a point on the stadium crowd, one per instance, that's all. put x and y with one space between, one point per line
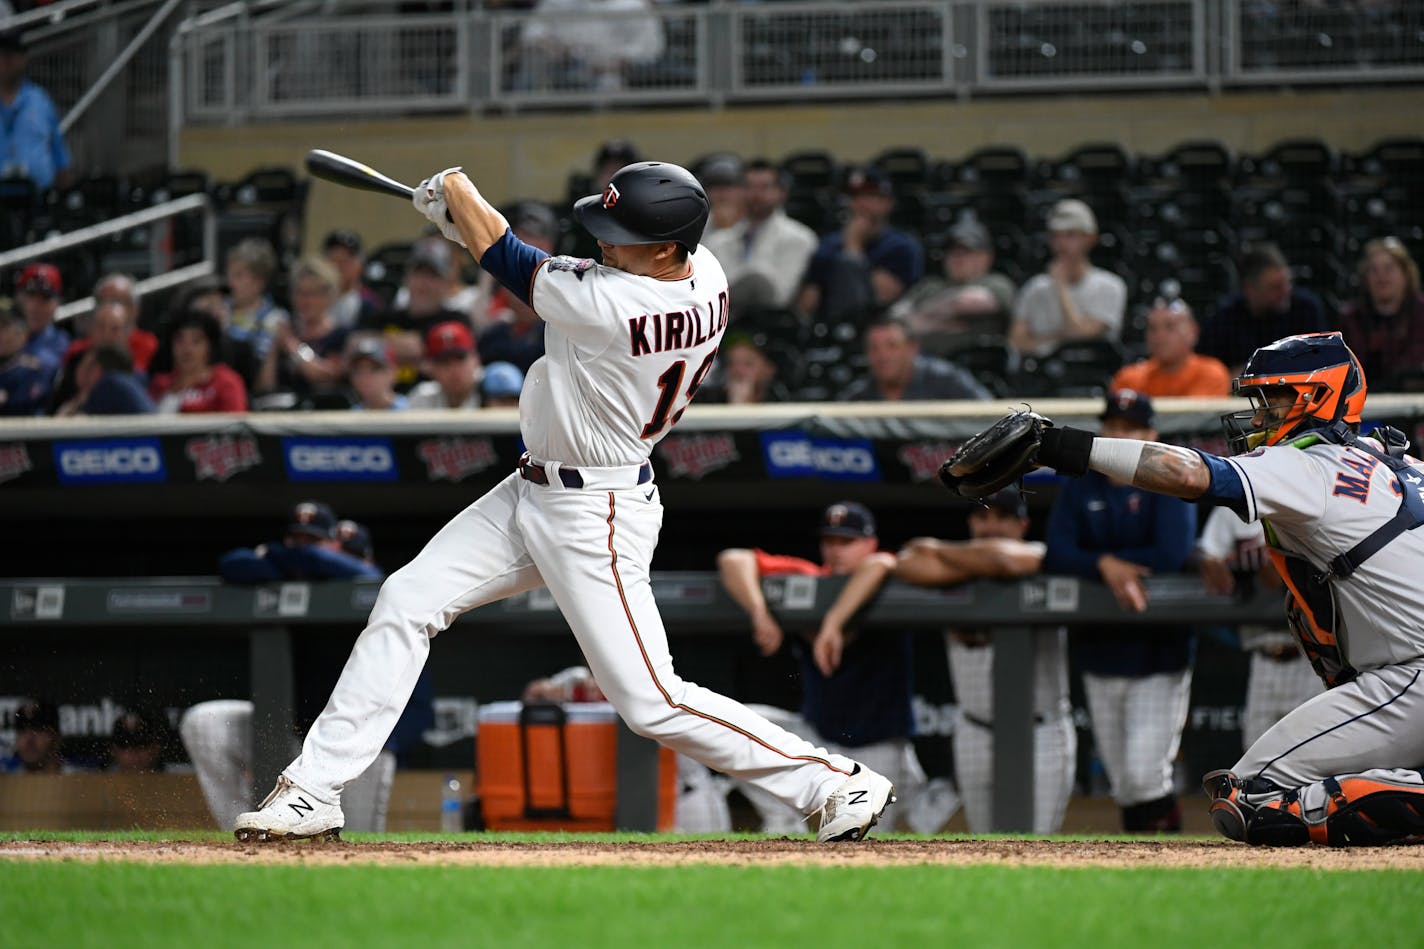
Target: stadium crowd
894 280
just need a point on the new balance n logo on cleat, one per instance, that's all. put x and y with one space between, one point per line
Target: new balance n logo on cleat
301 806
858 797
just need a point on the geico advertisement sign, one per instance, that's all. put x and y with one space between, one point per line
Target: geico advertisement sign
339 459
798 455
110 461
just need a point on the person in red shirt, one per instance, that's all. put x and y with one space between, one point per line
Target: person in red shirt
1173 367
197 383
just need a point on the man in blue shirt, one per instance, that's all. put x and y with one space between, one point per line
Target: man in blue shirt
31 143
1268 307
867 264
38 290
1137 681
25 379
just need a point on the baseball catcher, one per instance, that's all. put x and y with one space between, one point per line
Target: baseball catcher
1341 513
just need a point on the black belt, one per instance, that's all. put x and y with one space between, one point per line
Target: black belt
570 476
975 720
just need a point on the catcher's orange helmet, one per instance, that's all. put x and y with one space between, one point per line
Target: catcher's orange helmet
1325 376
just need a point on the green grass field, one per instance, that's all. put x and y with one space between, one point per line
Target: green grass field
74 903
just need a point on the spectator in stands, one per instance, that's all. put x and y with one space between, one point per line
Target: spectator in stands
612 155
500 386
31 143
997 548
969 298
867 264
252 314
450 355
1071 299
899 372
1266 308
108 327
135 744
122 289
38 290
25 379
1385 326
1173 367
765 253
721 177
355 301
459 297
1137 681
205 295
513 332
306 355
857 689
372 375
587 44
198 382
408 323
747 374
38 746
218 734
105 384
311 549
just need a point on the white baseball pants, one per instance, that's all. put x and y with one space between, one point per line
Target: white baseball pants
592 548
1137 726
1275 688
1055 750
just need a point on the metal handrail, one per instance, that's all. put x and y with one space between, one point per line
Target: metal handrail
47 14
96 232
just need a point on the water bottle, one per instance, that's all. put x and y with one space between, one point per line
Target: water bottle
452 808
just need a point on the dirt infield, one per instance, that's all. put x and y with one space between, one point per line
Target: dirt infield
1055 853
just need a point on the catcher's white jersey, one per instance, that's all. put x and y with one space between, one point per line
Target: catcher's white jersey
623 356
1320 502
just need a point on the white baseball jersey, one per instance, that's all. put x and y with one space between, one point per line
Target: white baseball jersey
1320 502
623 356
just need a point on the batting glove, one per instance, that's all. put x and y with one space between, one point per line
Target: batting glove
429 200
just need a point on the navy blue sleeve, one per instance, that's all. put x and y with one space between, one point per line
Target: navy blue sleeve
1175 534
243 565
513 262
900 254
1065 551
1226 488
318 563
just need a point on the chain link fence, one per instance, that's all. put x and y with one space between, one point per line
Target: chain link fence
1273 41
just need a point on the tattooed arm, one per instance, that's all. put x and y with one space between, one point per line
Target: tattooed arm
1167 469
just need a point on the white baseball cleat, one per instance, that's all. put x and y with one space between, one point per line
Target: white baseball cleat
289 813
855 806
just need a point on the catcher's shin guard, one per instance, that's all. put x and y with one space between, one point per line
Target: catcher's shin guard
1374 808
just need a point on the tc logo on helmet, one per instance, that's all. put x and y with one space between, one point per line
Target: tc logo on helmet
610 196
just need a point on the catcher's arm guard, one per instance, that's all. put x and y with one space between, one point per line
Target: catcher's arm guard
1011 447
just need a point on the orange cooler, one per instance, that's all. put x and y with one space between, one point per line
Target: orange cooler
549 766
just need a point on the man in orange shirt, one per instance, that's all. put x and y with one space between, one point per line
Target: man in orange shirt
1173 367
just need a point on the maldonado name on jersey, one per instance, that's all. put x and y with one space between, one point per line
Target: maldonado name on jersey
677 329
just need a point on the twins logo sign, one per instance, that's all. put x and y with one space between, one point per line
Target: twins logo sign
795 454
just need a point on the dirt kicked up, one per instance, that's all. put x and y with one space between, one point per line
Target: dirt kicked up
770 852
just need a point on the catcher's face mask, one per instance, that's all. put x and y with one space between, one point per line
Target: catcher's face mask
1275 412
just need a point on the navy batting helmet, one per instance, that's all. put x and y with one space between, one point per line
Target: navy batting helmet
647 202
1295 384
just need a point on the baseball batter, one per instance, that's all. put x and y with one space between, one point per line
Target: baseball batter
1341 513
627 343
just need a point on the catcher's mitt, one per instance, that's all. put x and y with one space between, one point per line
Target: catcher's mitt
996 457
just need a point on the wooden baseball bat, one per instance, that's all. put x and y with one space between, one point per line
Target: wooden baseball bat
352 174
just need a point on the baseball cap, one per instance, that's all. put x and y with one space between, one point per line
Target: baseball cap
847 519
449 339
1131 405
1070 214
618 149
868 180
343 238
533 217
971 235
42 279
37 714
132 730
1009 499
12 41
432 254
355 539
313 519
372 348
503 380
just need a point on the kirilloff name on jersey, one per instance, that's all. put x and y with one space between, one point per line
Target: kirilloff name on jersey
677 329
